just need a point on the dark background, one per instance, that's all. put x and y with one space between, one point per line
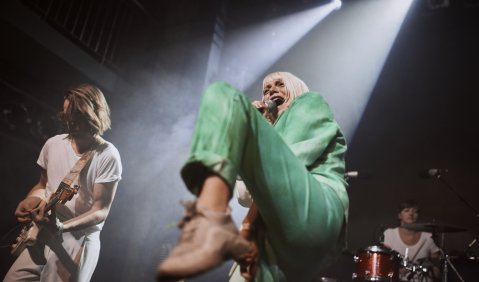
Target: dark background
153 58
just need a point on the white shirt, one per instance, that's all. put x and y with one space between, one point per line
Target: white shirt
424 247
57 157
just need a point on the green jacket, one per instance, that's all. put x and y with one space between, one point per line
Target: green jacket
309 128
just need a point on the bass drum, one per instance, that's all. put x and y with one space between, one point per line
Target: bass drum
376 263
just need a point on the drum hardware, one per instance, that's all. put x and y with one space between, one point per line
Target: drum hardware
417 270
414 269
472 243
434 228
446 261
446 264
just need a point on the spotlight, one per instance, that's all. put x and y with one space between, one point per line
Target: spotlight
337 4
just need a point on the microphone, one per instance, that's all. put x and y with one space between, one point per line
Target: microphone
354 174
433 172
271 107
351 174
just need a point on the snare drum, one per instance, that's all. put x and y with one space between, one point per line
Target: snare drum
376 263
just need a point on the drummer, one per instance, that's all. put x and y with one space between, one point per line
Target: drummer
416 247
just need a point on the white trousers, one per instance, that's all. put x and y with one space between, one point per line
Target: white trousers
52 259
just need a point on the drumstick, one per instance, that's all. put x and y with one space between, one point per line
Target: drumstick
417 252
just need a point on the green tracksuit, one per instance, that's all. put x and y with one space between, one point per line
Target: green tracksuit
294 171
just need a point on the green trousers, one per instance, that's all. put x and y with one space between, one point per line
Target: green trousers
303 218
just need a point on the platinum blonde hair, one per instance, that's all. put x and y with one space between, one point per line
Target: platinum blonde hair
294 85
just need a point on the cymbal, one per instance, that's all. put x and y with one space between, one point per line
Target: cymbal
433 227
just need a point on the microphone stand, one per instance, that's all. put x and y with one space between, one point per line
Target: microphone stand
447 261
443 180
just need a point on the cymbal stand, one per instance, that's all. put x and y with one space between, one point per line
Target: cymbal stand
447 262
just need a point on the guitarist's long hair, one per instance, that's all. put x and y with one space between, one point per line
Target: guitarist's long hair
87 105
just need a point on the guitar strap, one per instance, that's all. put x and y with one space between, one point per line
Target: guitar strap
80 164
77 168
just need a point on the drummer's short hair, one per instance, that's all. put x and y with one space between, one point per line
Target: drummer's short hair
408 204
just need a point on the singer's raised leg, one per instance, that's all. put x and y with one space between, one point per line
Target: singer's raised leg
304 217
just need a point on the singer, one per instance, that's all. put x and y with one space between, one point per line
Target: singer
292 163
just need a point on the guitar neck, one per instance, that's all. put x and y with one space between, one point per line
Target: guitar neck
56 196
53 201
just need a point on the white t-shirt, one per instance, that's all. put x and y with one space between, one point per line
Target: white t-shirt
58 157
424 248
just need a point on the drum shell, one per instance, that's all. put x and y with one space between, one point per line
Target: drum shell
376 263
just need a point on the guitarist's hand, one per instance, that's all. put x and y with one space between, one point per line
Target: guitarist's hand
249 262
24 210
38 214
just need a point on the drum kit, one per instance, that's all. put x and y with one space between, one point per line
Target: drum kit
380 263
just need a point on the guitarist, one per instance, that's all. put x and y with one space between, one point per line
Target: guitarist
68 244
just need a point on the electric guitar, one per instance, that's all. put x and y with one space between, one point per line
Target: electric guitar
28 234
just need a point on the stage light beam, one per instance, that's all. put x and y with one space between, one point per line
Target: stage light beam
251 50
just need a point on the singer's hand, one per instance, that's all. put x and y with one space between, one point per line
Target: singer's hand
260 105
263 109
